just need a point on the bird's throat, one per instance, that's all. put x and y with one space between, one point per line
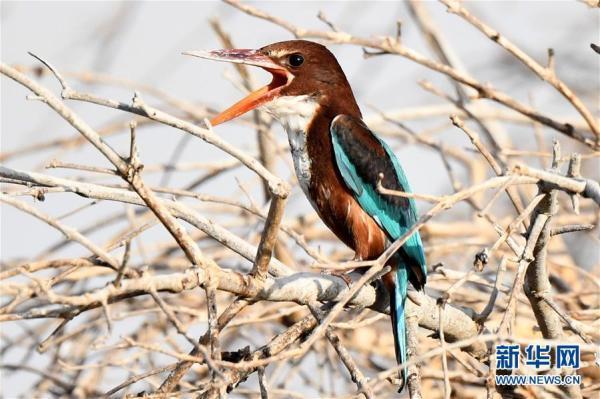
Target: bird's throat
295 113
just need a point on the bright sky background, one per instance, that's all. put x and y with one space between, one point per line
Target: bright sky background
76 36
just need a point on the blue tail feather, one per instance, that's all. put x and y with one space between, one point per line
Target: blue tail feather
398 302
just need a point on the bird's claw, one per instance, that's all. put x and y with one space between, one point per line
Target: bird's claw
343 275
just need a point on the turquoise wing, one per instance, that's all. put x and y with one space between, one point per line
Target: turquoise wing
360 157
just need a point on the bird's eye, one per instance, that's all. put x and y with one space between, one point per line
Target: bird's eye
296 60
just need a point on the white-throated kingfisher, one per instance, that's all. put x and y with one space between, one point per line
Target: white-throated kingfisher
337 160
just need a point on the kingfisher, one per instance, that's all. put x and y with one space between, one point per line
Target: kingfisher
338 161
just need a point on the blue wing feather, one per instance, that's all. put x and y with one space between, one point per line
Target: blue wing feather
413 246
394 218
356 156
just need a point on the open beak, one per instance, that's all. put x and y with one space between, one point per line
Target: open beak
281 77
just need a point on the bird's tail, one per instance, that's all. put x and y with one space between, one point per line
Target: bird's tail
397 302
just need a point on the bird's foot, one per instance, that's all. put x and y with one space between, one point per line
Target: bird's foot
343 275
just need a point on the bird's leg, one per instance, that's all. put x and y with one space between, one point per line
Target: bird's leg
344 275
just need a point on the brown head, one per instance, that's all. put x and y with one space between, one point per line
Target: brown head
298 68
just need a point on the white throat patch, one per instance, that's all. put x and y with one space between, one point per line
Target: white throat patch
295 114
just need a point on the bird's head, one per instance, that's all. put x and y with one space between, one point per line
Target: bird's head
298 68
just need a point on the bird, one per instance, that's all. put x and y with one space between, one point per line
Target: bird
338 161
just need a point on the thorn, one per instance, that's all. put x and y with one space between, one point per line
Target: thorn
321 15
58 76
555 154
551 60
398 30
368 53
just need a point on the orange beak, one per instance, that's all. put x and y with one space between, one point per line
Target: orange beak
281 77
